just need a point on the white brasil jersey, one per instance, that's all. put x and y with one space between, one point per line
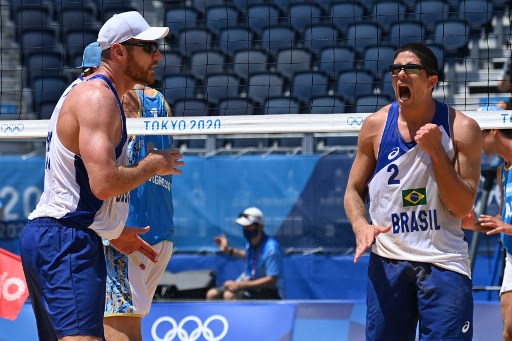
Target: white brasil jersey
403 194
67 194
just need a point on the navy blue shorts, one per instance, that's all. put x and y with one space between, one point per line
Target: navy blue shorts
65 272
403 293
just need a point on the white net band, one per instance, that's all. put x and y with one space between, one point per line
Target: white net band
253 124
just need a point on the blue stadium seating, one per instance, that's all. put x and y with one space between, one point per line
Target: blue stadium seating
371 103
180 18
343 14
233 39
219 86
203 63
406 32
326 105
274 38
262 15
236 106
363 34
377 58
278 105
428 12
249 61
220 17
352 84
387 12
191 40
333 60
302 15
292 60
317 37
178 86
308 84
190 107
260 86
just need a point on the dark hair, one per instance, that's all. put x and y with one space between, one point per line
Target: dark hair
507 133
427 58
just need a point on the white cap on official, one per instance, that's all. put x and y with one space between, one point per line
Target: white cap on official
250 216
128 25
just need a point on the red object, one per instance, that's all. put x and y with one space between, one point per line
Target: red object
13 287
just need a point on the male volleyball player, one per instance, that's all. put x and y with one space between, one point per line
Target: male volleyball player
418 164
130 290
87 183
499 141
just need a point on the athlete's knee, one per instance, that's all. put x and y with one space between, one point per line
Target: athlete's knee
212 294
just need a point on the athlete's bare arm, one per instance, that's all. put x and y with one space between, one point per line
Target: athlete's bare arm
361 171
458 180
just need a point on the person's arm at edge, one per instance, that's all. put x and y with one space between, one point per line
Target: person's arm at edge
361 171
458 181
98 133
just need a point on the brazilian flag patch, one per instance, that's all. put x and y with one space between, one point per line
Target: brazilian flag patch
414 197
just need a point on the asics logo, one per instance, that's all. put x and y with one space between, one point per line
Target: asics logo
355 121
466 326
191 328
12 128
394 153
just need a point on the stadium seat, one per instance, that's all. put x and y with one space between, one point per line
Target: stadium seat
236 106
371 103
355 83
274 38
317 37
453 35
34 18
46 109
439 52
428 12
171 63
107 9
478 14
77 18
191 40
263 85
343 14
363 34
180 18
47 89
377 58
387 12
203 63
333 60
284 5
249 61
76 40
406 32
262 15
39 41
201 5
278 105
243 5
40 65
303 15
220 17
178 86
190 107
307 84
233 39
326 105
292 60
219 86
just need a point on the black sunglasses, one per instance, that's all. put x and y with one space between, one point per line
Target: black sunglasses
148 47
409 69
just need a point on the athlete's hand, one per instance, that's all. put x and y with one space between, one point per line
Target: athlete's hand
129 242
495 224
429 138
365 237
168 159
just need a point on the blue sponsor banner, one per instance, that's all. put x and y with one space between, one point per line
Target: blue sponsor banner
257 321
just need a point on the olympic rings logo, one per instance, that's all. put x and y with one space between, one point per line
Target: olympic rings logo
201 329
12 128
355 121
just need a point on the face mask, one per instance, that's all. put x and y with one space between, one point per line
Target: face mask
250 234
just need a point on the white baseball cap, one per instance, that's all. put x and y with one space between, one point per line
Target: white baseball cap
128 25
250 216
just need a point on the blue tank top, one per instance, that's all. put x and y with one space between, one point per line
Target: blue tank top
506 213
151 203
